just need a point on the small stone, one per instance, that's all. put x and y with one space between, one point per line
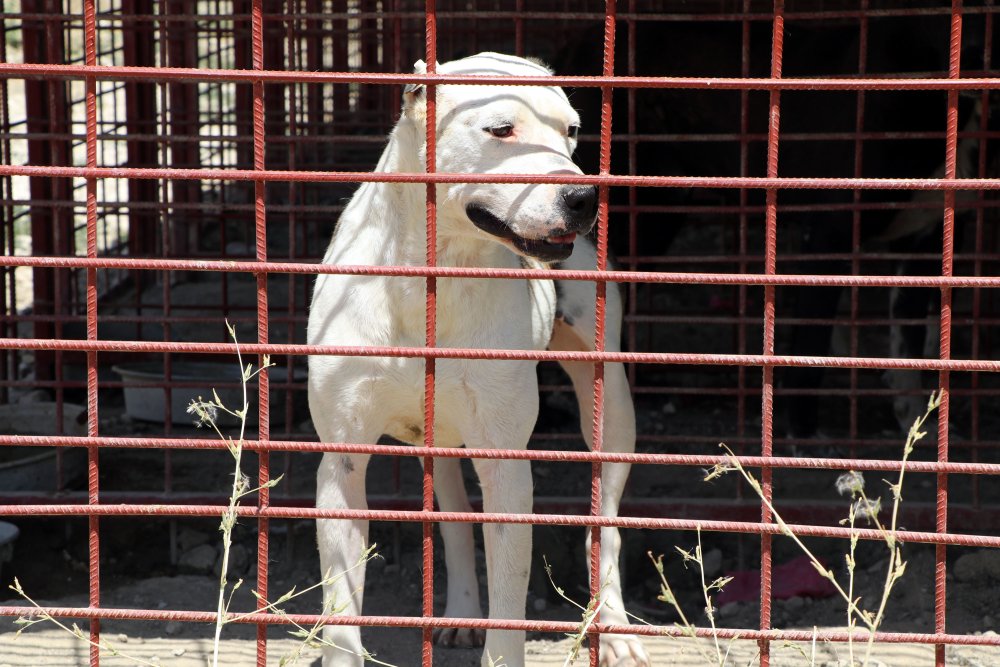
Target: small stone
239 559
989 633
970 567
199 560
178 652
729 609
173 628
189 538
712 562
669 408
123 638
540 604
794 604
877 566
35 396
991 562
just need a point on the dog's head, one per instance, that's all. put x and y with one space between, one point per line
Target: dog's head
492 129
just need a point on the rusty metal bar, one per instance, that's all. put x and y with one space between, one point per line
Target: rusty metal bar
562 627
93 471
49 71
767 381
430 330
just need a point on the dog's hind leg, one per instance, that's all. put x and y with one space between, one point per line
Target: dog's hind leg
574 331
459 555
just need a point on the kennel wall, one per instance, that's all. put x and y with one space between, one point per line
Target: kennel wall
771 180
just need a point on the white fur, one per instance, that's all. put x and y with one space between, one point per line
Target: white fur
479 404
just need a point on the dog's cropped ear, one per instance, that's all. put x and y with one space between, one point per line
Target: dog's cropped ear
414 92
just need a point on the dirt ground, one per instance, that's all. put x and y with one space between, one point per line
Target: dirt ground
190 645
138 570
54 647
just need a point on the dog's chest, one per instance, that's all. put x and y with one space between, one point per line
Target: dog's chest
472 314
487 313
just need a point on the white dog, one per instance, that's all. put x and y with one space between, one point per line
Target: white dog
479 404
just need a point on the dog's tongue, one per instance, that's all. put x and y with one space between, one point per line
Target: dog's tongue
565 238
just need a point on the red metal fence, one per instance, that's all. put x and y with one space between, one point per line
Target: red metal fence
162 142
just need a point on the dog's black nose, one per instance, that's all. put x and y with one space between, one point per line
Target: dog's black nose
581 203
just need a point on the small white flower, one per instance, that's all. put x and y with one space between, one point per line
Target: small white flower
868 509
206 413
851 482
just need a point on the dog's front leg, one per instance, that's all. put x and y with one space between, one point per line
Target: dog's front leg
459 554
577 333
342 544
506 488
619 436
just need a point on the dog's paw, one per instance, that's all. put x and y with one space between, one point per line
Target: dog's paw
623 651
459 637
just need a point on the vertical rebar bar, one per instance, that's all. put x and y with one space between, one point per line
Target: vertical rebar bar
944 377
770 268
263 394
93 472
430 331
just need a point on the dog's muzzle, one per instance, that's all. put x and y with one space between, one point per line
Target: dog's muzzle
553 248
580 206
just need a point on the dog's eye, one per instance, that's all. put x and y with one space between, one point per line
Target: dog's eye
501 131
572 131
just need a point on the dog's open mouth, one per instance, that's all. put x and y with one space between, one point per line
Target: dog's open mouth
551 249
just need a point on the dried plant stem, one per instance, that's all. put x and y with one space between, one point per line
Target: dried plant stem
787 532
239 489
590 613
896 565
851 563
102 645
312 636
206 413
667 595
709 607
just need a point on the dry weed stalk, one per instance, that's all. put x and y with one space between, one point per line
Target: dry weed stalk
207 413
589 617
687 628
25 622
852 482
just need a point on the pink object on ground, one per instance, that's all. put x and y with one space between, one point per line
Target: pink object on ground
797 577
